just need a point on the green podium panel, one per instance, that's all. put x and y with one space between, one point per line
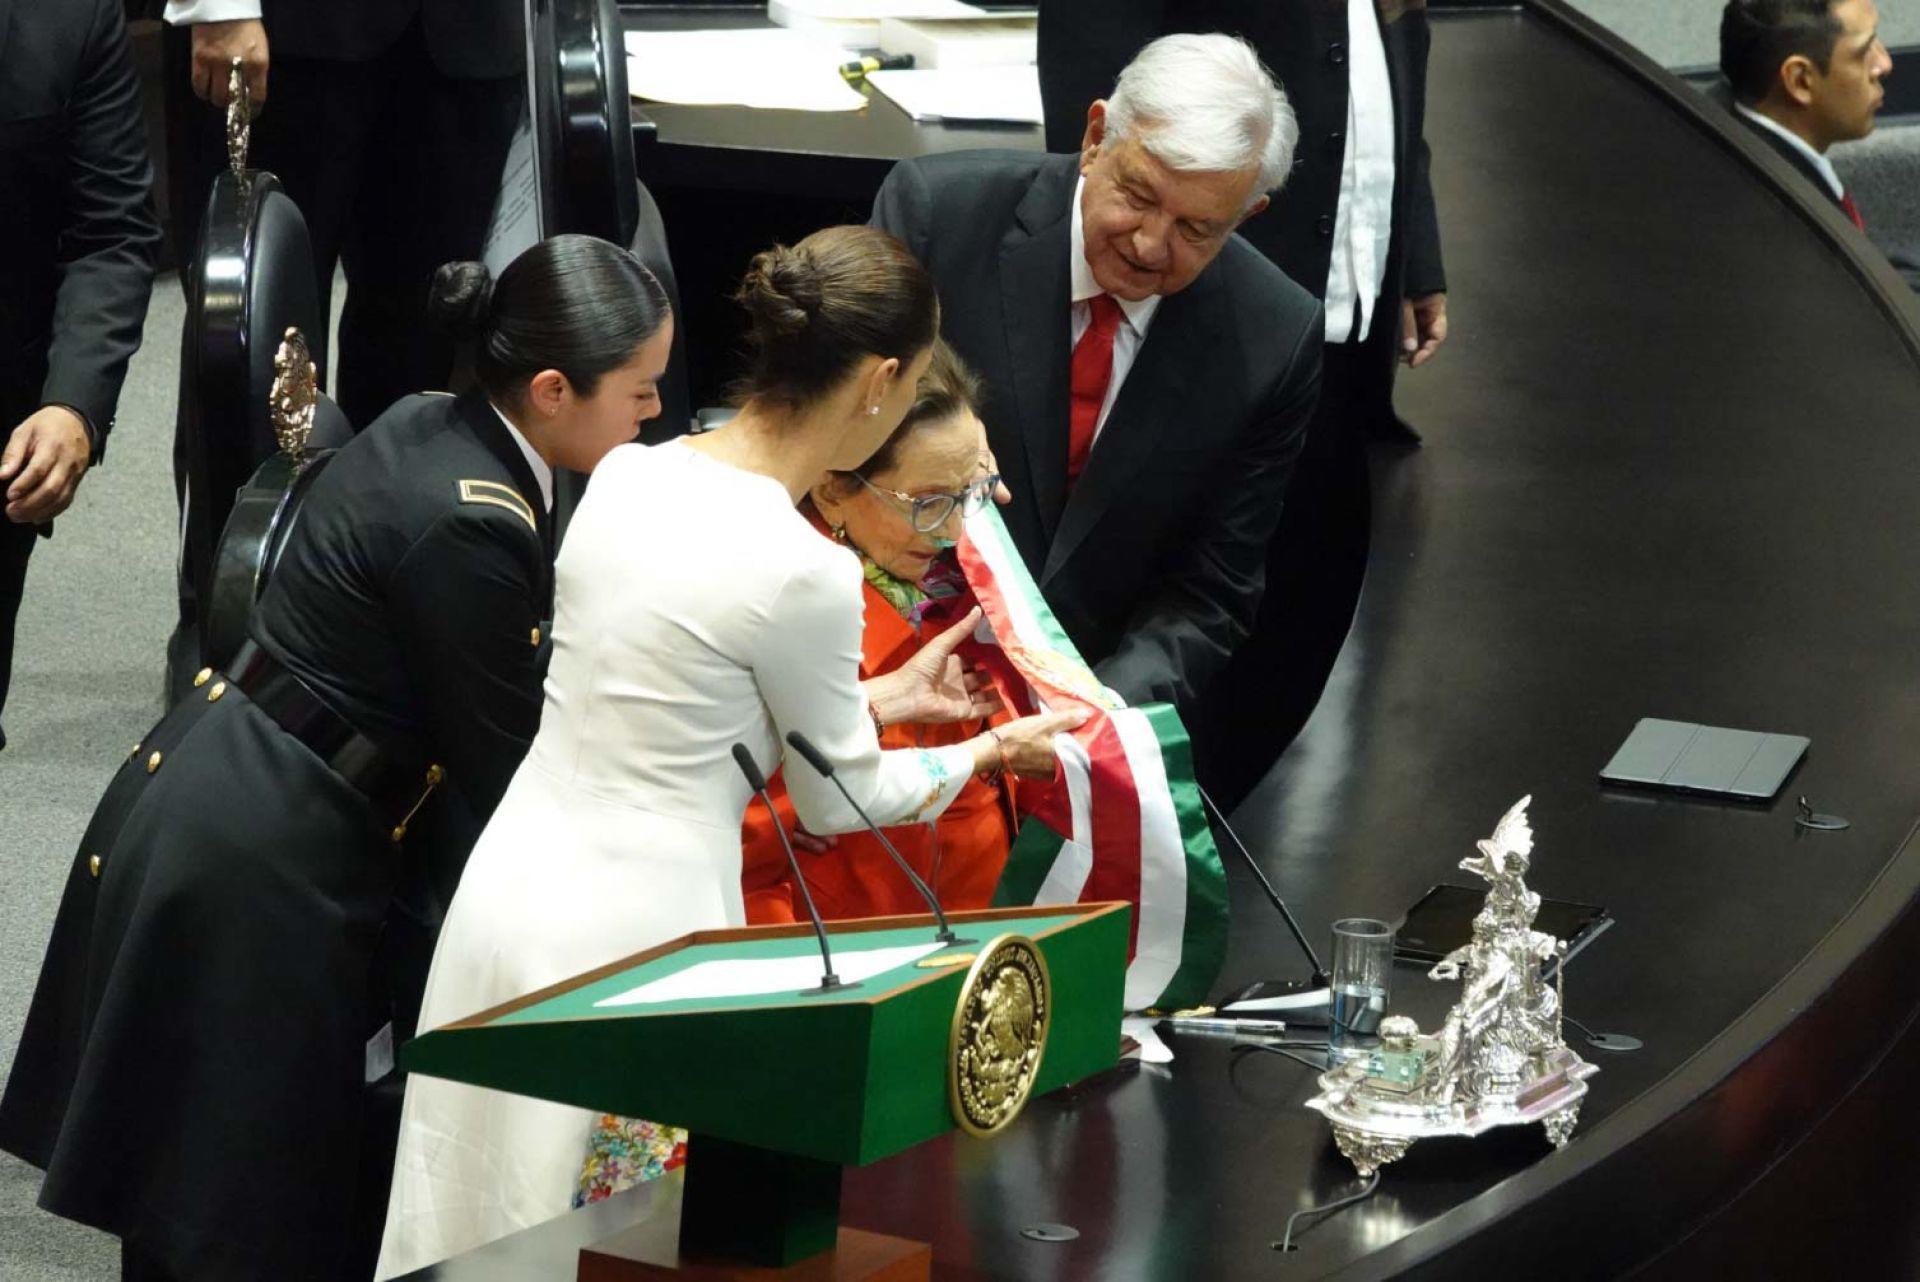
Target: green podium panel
689 1033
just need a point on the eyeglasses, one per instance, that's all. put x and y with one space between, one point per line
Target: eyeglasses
928 512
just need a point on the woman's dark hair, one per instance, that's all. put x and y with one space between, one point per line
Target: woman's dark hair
947 388
817 308
576 304
1758 36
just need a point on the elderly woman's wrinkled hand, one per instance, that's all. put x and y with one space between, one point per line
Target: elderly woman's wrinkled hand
935 685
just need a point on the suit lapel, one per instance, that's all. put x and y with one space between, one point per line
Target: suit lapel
1152 402
1034 302
1793 156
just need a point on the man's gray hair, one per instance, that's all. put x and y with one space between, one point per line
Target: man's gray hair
1206 103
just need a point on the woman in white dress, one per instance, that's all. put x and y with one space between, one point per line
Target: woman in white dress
695 609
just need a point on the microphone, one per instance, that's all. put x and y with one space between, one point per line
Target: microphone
818 760
829 982
1306 1004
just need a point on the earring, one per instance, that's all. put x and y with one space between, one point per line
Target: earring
839 533
872 410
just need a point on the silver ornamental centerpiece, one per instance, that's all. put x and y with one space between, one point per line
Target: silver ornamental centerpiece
1498 1060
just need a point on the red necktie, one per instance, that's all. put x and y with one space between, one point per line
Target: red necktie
1092 370
1853 210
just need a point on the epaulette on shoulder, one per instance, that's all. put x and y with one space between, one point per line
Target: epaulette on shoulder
494 494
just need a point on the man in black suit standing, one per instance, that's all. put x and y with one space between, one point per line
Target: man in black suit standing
1356 225
1149 376
77 245
1805 75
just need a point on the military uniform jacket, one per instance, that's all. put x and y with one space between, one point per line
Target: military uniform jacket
192 1074
413 595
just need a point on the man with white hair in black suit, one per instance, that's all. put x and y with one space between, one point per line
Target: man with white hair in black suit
1149 375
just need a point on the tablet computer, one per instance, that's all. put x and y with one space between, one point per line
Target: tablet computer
1705 760
1443 921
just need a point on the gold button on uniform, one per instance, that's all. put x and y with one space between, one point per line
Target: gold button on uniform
536 635
399 832
201 677
153 763
434 775
93 865
134 753
219 688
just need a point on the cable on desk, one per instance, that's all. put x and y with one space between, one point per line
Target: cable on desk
1282 1048
1366 1190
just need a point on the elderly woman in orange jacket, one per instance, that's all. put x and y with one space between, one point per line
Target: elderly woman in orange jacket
900 514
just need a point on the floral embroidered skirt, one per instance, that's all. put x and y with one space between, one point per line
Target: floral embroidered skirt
625 1151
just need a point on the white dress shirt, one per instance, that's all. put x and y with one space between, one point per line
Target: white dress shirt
542 474
1799 144
1363 220
1134 317
184 13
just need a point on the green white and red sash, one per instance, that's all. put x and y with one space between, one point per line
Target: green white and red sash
1124 820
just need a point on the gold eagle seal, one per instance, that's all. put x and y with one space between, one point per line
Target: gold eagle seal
999 1034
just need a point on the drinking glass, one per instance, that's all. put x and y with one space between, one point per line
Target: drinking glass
1362 979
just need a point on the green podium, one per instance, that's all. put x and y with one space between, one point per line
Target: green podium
781 1086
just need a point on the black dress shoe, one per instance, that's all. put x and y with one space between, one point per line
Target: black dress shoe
1391 429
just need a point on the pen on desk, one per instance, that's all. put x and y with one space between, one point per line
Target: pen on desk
856 71
1233 1027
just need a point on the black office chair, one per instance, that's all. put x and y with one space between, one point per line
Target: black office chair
251 282
307 427
252 286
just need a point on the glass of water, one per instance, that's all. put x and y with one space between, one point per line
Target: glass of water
1362 979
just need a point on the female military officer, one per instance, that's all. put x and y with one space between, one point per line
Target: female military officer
191 1075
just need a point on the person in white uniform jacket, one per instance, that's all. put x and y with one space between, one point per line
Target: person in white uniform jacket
695 609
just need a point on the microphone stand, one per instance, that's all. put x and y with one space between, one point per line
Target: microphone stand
1303 1003
824 768
829 982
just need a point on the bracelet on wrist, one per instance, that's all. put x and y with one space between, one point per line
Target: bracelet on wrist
1000 767
879 722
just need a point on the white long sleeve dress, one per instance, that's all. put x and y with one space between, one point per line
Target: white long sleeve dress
695 609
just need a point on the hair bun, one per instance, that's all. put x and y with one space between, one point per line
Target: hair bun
461 298
782 290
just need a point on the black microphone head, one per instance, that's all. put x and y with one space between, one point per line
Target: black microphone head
815 758
749 767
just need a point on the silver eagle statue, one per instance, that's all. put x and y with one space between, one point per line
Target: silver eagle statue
1499 1059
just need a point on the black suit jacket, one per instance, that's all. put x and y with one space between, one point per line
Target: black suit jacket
470 39
1793 156
1909 269
1155 563
467 39
77 230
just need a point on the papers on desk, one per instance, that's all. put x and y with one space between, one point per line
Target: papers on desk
753 68
753 976
856 23
998 41
1007 94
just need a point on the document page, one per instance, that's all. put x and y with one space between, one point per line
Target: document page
1010 94
751 976
754 68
